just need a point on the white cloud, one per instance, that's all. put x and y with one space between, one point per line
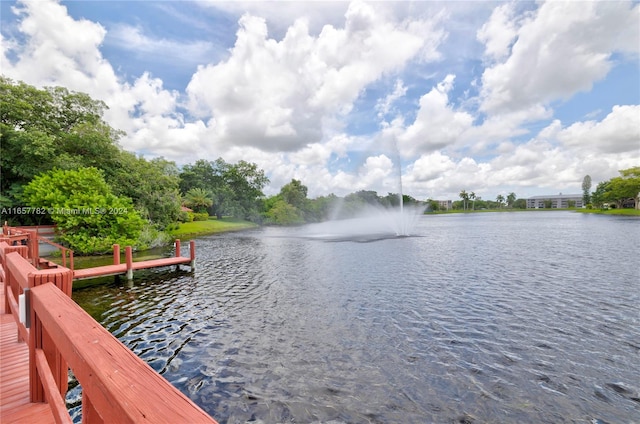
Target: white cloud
282 96
560 50
384 106
278 95
499 32
134 40
618 132
437 124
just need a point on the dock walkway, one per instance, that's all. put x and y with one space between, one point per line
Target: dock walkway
44 333
15 403
121 269
129 266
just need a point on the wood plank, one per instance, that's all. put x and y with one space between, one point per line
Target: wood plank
15 405
154 263
121 386
99 271
119 269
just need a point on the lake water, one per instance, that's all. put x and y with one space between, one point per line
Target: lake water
495 317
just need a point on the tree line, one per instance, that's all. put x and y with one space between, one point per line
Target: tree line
61 164
618 192
471 201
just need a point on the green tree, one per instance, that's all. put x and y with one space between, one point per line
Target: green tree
520 204
89 217
152 185
500 199
295 194
236 189
52 128
198 199
244 183
511 199
586 190
465 198
472 196
283 213
620 190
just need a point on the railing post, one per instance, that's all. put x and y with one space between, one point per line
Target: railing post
89 413
116 254
192 254
129 258
36 391
177 244
34 245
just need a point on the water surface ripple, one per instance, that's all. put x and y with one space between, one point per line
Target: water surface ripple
500 318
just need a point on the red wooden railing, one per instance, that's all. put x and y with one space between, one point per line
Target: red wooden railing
117 386
30 237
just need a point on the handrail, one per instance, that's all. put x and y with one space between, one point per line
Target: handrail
52 396
63 251
32 237
117 385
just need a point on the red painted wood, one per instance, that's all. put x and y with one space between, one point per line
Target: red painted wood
177 244
128 255
122 387
89 413
106 270
155 263
99 271
52 395
15 406
116 254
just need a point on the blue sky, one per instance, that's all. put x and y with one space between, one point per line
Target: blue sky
489 97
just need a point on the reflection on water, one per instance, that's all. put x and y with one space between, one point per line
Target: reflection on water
528 317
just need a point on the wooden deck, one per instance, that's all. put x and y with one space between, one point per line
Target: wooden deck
15 405
121 269
58 335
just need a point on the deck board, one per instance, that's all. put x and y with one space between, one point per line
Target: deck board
107 270
15 406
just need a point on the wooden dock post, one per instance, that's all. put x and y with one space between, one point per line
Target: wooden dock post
192 255
116 254
129 257
177 245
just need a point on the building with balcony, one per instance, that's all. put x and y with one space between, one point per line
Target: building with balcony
555 201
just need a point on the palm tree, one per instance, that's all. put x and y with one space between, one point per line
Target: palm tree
198 199
472 196
511 199
500 200
465 197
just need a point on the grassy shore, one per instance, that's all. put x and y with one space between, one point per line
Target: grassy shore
211 226
625 212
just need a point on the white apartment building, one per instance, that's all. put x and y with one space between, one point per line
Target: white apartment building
558 201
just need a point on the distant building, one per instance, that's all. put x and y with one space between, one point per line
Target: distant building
444 205
556 201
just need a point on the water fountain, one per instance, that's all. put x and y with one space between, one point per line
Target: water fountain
372 222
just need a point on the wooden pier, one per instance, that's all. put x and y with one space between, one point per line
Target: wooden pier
43 333
129 266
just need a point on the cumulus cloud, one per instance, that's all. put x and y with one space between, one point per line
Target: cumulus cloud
277 95
499 32
561 49
437 123
618 132
60 50
283 95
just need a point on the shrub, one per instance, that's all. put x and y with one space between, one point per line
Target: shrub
200 216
